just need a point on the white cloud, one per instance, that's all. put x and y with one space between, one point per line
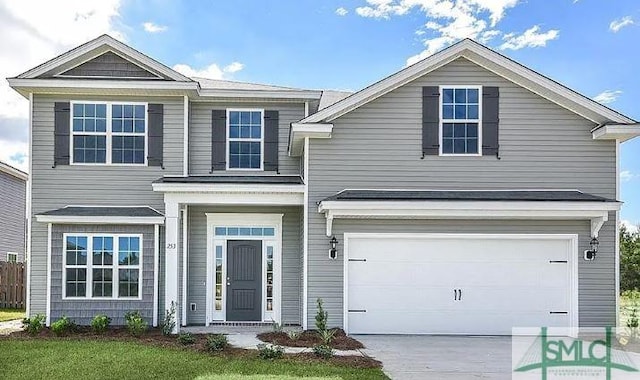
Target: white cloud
342 11
631 227
154 28
34 31
233 67
608 96
15 154
626 176
620 23
448 21
213 71
530 38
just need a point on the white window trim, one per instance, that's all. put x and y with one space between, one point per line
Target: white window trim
443 120
228 139
89 267
10 254
244 220
109 134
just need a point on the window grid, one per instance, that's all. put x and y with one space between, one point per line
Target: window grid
120 140
82 269
460 120
219 276
269 278
245 139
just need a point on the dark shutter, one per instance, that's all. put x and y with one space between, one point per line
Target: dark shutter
490 120
218 140
271 140
156 139
62 121
430 120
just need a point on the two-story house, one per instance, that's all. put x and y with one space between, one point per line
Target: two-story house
465 194
13 200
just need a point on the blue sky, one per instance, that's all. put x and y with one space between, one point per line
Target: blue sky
345 44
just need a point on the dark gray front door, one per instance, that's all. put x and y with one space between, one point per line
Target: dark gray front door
244 280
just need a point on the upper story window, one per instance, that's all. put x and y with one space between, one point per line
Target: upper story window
245 139
109 133
460 120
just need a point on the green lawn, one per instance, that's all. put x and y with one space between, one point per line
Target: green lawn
85 359
10 314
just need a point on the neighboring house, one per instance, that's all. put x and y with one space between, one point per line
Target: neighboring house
458 195
13 201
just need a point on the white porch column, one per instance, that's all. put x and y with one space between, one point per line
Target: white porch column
171 277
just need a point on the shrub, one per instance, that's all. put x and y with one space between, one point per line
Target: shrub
100 323
277 327
326 336
63 326
136 325
294 334
321 317
270 351
34 324
186 339
323 351
217 342
169 320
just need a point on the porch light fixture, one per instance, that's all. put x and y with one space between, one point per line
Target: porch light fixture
590 254
333 252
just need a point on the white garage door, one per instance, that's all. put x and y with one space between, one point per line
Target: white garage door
458 284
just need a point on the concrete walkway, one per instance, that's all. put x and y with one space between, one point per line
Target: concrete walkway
440 357
8 327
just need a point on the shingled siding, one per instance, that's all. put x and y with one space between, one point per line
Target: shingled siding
200 135
53 188
109 65
542 146
82 311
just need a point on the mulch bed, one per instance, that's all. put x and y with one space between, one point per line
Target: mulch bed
310 338
154 337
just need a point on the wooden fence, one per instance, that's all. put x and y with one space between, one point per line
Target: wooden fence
12 285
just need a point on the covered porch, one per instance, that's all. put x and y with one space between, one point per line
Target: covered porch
233 250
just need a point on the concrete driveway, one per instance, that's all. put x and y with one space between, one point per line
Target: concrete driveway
440 357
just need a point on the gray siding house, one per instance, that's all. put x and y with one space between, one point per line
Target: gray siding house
465 194
13 201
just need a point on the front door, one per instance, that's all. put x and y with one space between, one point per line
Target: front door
244 280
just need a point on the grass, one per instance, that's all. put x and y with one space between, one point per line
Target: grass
92 359
10 314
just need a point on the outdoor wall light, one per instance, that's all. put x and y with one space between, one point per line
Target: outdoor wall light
590 254
333 252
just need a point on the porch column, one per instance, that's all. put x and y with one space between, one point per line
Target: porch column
171 277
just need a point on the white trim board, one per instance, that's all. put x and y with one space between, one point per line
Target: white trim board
489 59
69 219
244 220
572 258
597 212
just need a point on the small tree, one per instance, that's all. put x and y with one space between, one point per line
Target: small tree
629 259
169 320
321 317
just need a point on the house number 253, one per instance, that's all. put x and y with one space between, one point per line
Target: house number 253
171 246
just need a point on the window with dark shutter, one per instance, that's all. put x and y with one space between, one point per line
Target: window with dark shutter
490 120
271 140
218 140
156 138
430 120
62 117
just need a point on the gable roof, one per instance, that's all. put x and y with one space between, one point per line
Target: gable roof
97 47
14 172
490 60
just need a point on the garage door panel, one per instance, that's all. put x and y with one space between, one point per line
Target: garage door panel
406 285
